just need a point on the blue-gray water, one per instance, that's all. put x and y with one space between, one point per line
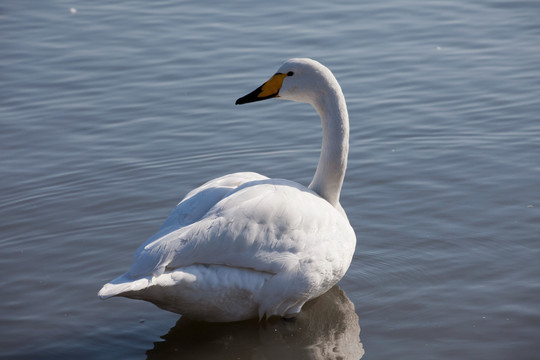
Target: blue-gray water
112 111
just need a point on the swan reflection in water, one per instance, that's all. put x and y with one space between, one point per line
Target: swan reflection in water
326 328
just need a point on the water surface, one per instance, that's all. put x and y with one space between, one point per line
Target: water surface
110 113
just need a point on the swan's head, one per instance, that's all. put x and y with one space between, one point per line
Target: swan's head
302 80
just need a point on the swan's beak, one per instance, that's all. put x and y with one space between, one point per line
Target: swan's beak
267 90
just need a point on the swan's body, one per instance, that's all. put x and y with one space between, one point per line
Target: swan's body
243 245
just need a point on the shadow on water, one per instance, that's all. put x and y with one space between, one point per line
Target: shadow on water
327 328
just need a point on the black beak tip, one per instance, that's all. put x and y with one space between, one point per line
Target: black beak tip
251 97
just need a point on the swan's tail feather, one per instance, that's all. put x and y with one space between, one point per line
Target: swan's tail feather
121 285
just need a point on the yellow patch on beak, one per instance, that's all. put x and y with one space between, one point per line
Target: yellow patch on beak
269 89
272 86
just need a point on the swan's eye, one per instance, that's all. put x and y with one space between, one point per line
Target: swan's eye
290 73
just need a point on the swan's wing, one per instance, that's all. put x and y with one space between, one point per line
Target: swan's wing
269 225
197 203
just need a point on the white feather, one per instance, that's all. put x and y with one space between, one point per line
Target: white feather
244 245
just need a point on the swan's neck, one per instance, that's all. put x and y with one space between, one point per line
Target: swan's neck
330 172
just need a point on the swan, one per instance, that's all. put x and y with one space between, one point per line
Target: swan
243 245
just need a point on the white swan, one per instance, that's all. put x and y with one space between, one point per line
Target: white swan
243 245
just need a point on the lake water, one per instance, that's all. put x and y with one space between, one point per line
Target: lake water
110 112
